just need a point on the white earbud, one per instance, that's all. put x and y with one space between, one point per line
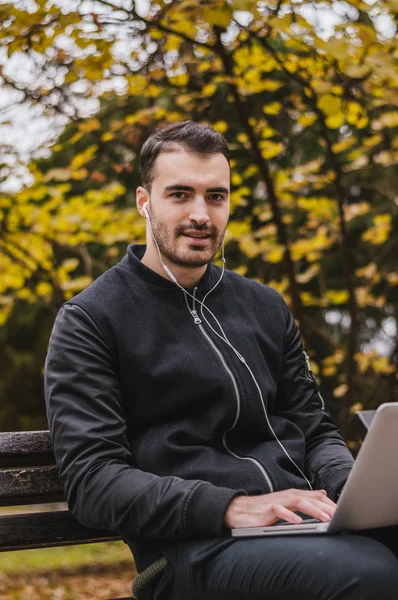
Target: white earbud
144 208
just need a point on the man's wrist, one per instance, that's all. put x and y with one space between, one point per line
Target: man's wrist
207 508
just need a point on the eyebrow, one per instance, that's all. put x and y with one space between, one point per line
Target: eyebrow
187 188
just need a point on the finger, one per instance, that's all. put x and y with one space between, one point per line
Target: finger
325 506
310 505
313 509
330 510
317 494
277 512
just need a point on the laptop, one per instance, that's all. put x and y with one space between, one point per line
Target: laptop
370 496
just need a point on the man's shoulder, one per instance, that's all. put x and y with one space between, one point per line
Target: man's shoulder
104 290
254 288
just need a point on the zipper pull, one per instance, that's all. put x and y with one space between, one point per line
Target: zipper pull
196 319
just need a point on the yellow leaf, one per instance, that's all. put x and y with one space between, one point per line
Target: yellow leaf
204 65
356 71
76 137
272 149
386 158
79 174
245 4
106 137
344 144
58 174
329 371
276 254
392 278
335 121
337 90
236 179
44 289
90 125
26 294
362 295
330 105
368 272
362 122
309 300
250 171
307 275
270 85
267 132
372 141
380 231
356 209
173 42
282 23
221 126
70 264
179 80
242 270
186 26
337 296
77 284
237 229
209 90
238 197
249 247
356 408
306 119
220 16
340 391
273 108
311 167
387 119
381 365
83 157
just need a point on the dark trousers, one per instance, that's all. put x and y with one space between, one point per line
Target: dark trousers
310 567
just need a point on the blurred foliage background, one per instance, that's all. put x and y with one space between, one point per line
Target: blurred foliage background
305 94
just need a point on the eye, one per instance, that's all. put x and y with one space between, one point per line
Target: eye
179 195
217 197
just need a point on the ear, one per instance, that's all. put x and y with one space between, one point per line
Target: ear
141 196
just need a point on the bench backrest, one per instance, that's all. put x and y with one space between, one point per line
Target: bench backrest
28 476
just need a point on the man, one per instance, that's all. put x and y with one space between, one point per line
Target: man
181 405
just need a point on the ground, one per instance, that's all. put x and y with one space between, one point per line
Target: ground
92 572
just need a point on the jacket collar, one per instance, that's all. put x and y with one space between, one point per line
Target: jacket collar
135 252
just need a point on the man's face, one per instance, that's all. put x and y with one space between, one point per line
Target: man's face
189 206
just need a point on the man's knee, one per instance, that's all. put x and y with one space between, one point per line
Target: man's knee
322 567
363 570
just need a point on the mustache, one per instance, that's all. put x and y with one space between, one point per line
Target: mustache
211 231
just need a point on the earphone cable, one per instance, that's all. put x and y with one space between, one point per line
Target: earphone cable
225 339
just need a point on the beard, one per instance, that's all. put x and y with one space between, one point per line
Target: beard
176 248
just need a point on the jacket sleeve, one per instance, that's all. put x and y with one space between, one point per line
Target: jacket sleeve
89 435
328 460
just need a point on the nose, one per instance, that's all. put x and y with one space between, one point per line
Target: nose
199 212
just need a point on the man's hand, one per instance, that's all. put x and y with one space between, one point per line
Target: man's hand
260 511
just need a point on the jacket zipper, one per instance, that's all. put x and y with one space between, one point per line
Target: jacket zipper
198 322
311 377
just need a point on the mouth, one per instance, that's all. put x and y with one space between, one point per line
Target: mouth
197 237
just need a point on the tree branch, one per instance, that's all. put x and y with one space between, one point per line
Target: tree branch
243 116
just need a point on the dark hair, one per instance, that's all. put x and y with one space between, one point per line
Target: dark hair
193 137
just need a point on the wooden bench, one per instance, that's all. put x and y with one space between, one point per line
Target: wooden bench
28 476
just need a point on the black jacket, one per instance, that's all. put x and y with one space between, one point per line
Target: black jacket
157 424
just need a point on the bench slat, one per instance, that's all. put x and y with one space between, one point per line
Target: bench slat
25 448
49 529
30 486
